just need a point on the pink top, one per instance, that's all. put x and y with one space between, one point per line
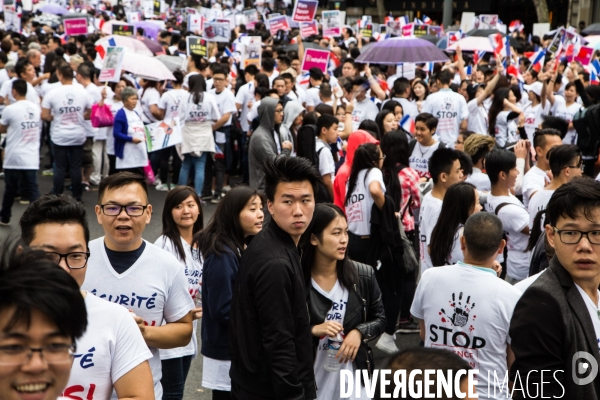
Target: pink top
409 182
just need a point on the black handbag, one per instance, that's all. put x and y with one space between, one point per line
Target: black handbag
411 262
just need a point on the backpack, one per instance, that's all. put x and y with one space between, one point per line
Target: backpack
587 124
236 127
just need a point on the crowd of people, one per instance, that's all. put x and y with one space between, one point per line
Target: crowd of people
352 205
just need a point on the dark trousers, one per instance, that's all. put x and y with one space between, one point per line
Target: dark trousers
165 154
244 162
112 164
67 157
391 296
358 247
174 374
13 178
409 282
214 167
221 395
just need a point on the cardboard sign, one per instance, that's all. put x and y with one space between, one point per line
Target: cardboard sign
228 20
12 22
196 45
217 32
163 134
407 30
147 7
584 56
305 10
541 28
332 23
251 50
367 30
467 21
555 43
435 30
488 21
112 65
195 23
393 27
314 58
75 26
308 29
156 7
278 23
133 17
123 30
251 18
452 37
420 30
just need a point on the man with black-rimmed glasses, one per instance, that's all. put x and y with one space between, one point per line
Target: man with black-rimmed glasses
112 353
141 277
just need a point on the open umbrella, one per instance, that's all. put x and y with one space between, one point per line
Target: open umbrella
130 43
430 38
483 32
107 26
154 47
146 67
173 62
473 43
593 29
53 9
593 41
150 29
400 50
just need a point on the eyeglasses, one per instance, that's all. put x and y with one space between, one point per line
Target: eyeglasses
113 210
218 79
580 166
279 111
76 260
574 237
56 353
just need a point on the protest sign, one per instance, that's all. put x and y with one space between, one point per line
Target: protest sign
147 6
393 27
541 28
112 65
332 23
278 23
406 70
467 21
407 30
488 21
190 10
75 26
305 10
133 17
123 30
452 37
196 45
156 7
555 43
308 29
12 22
420 30
584 56
163 134
367 30
314 58
251 50
228 20
435 30
251 18
217 32
195 23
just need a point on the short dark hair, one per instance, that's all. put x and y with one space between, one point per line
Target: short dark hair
218 70
268 64
251 69
84 71
316 73
119 180
539 137
466 164
400 86
580 196
429 120
556 123
444 76
30 281
325 121
441 161
289 169
66 72
21 66
499 160
483 234
360 81
561 157
20 86
51 208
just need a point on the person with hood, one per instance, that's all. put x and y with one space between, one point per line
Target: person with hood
339 184
293 114
265 143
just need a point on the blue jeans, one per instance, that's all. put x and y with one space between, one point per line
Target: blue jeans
12 177
198 163
174 374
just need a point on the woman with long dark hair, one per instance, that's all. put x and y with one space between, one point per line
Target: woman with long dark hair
365 187
502 118
182 219
460 202
386 121
238 216
420 91
344 295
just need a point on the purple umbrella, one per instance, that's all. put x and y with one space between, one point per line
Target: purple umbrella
154 47
401 50
150 30
53 9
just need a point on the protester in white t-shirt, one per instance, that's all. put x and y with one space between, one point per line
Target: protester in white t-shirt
466 309
365 188
445 170
6 88
67 107
535 110
127 270
536 178
478 146
503 117
364 108
327 127
478 112
182 219
112 353
502 169
448 107
245 96
149 97
424 145
572 107
21 123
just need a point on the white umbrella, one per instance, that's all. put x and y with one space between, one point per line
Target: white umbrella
107 26
130 43
473 43
146 67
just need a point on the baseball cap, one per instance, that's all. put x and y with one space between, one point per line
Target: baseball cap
535 87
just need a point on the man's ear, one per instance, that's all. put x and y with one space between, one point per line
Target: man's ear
550 235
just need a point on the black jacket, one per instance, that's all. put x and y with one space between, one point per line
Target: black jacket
269 330
550 324
364 311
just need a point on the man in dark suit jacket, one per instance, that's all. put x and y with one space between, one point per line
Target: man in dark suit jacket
555 328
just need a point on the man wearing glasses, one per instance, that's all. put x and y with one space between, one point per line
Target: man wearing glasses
141 277
112 353
555 328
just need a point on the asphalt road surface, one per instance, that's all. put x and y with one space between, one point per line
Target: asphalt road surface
193 387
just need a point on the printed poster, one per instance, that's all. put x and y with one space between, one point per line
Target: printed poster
12 22
332 23
75 26
393 27
435 30
156 7
584 56
407 30
217 32
147 7
133 17
305 10
452 37
163 134
123 30
195 23
251 50
488 21
251 18
196 45
279 23
367 30
308 29
112 65
420 30
314 58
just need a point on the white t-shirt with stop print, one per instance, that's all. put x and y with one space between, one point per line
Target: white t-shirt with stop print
467 310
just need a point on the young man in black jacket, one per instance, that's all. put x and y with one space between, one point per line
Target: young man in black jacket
269 330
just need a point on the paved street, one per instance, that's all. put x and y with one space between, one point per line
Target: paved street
193 389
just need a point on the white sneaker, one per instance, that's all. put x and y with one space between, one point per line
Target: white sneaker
387 344
157 182
226 189
163 187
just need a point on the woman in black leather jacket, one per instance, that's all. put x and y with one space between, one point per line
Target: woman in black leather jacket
343 298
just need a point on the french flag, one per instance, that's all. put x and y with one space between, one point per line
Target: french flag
227 52
426 20
101 48
334 62
419 22
594 80
497 42
507 60
383 84
469 70
477 56
537 58
516 25
408 124
596 66
403 20
305 79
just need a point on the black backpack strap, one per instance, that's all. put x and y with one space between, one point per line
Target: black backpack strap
501 206
411 146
